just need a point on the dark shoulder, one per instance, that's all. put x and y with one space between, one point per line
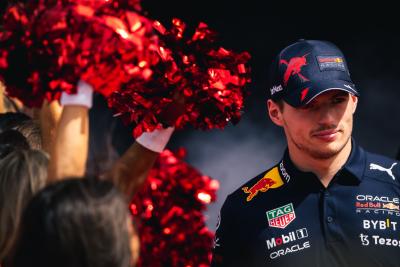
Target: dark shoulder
382 168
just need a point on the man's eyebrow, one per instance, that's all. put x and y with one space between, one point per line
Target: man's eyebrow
341 93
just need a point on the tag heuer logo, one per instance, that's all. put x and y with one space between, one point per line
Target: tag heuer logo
281 217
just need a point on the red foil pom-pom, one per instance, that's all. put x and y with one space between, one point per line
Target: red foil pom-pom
48 45
210 78
169 209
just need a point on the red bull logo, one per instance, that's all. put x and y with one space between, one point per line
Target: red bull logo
294 67
391 206
271 179
304 94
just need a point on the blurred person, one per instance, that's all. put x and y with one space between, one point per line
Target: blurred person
38 125
70 152
69 156
9 120
77 223
11 104
2 104
30 129
22 123
11 140
23 172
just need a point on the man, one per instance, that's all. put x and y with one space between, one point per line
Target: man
327 202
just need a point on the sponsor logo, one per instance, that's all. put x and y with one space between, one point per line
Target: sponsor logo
364 240
348 86
391 206
330 60
378 212
380 225
374 166
331 63
289 250
368 204
304 93
216 242
285 239
382 199
283 171
379 241
281 217
271 179
216 239
218 221
276 89
294 67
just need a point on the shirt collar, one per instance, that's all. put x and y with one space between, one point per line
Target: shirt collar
356 162
355 166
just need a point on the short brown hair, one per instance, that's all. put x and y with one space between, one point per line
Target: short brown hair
279 103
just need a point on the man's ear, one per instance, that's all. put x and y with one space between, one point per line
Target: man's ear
275 112
355 102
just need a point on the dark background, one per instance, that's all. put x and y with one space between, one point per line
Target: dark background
367 34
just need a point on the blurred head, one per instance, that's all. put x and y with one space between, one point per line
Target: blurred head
9 120
30 129
23 173
22 123
11 140
76 223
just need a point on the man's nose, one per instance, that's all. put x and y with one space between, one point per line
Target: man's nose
327 115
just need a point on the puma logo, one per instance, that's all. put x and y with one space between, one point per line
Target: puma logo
374 166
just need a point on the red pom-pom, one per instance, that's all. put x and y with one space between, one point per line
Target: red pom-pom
211 80
169 212
48 45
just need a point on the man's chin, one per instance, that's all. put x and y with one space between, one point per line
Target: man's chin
327 150
324 153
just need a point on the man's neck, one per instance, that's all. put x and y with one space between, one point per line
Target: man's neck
325 169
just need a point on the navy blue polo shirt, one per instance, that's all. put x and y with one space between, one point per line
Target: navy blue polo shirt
286 217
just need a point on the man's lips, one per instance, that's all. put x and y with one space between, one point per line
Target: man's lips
326 135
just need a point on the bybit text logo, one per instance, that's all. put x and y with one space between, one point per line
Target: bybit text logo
380 225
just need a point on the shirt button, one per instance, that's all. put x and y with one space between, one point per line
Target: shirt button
329 219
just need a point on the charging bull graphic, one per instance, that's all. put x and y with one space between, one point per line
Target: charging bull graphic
271 179
294 67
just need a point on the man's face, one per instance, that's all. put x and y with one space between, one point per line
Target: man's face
320 129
